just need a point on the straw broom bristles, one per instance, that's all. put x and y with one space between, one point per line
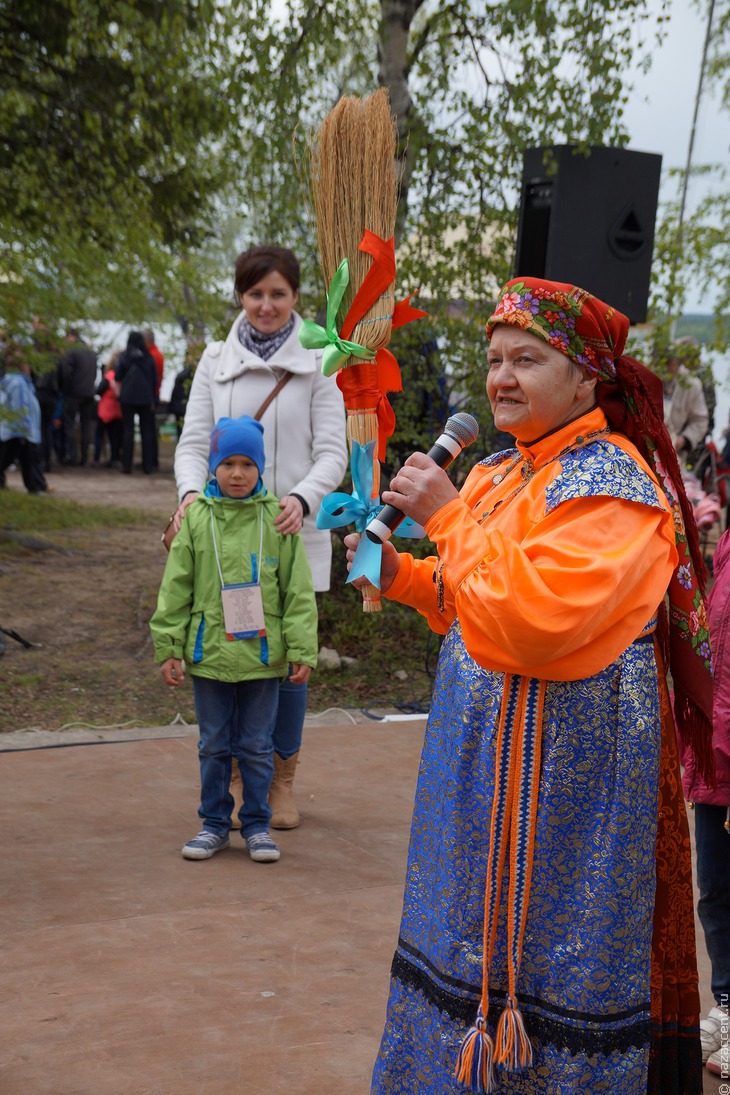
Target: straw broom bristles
353 187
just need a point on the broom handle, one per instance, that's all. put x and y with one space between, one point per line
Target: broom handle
362 426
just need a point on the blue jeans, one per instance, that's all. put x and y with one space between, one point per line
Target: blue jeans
290 719
712 841
236 720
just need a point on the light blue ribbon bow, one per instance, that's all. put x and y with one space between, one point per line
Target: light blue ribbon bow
338 509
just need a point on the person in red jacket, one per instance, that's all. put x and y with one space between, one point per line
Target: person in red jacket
712 819
109 415
149 337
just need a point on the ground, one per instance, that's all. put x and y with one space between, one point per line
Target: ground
87 606
85 602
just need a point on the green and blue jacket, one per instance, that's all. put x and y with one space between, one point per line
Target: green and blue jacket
188 623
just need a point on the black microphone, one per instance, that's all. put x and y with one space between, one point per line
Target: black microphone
460 430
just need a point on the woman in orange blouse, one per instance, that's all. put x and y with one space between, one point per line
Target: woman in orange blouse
547 936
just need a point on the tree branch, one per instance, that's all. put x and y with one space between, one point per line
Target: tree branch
422 38
313 13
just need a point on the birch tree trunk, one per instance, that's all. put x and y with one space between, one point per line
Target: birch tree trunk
393 59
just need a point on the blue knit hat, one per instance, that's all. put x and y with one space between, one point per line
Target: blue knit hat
242 436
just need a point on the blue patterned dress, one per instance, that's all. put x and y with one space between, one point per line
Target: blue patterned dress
584 987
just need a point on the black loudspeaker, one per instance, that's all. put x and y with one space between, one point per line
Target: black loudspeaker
587 217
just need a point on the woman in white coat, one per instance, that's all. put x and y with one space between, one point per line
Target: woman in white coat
306 450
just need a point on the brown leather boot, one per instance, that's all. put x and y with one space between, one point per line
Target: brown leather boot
236 789
284 813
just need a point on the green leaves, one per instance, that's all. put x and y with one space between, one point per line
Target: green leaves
111 138
148 141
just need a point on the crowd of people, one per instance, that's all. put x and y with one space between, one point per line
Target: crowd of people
65 407
547 940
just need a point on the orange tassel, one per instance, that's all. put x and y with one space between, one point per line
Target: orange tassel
475 1063
513 1048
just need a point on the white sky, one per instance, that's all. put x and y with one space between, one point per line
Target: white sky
659 114
659 118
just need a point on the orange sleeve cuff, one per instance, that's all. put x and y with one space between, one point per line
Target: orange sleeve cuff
414 585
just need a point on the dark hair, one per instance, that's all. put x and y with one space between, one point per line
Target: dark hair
136 341
254 264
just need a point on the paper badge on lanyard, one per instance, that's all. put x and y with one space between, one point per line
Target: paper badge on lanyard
243 611
243 606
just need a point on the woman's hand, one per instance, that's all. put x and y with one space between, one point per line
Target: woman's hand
300 673
389 565
180 511
172 672
291 516
420 488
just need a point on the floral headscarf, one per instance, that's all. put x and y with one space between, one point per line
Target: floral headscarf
581 326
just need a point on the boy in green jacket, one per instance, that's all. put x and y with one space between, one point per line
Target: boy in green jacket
237 606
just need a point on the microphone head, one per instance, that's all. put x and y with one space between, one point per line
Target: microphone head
464 427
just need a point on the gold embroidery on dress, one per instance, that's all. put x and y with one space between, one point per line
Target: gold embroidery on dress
527 470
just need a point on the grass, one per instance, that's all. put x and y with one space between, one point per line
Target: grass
394 640
28 680
30 514
87 607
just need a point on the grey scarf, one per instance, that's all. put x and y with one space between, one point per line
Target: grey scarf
263 345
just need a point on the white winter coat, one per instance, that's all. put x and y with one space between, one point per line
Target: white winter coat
304 427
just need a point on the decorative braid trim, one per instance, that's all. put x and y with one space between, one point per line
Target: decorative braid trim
463 1009
546 1029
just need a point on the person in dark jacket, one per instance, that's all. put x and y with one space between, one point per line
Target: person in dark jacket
77 374
180 395
45 373
137 374
46 390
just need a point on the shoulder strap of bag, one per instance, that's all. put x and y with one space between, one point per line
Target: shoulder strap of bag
272 395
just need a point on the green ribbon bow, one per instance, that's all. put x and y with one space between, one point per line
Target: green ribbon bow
336 350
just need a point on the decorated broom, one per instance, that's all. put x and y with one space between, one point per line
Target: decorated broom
354 195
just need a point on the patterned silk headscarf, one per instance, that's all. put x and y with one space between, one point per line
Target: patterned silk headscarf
581 326
593 334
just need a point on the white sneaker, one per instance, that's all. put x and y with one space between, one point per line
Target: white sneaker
718 1063
711 1032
